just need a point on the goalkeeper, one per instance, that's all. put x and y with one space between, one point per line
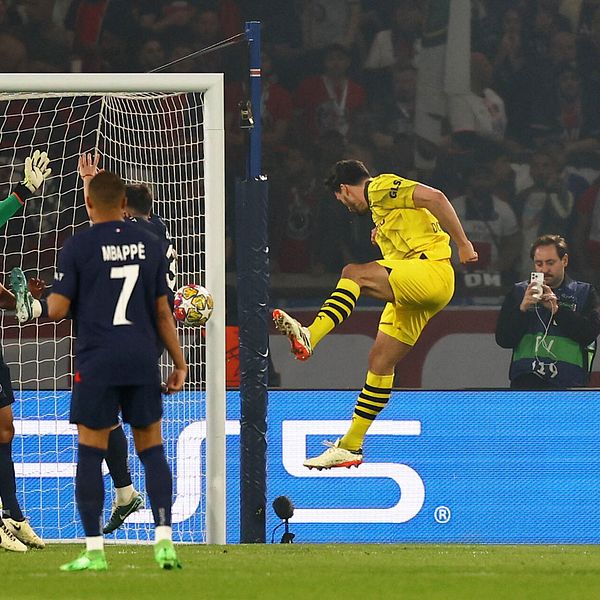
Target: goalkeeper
16 533
415 279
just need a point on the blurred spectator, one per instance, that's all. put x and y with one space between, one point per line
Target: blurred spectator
544 20
576 183
545 206
570 115
327 22
207 30
180 50
282 31
150 55
491 225
482 110
295 197
586 234
13 54
114 54
330 147
10 20
584 15
330 100
393 48
588 55
344 237
167 19
85 18
542 73
511 57
391 120
397 45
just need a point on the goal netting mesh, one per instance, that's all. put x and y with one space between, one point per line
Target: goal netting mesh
154 138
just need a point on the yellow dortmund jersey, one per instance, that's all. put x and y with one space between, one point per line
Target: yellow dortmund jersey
403 230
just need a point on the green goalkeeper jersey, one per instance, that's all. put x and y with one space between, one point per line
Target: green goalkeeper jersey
9 206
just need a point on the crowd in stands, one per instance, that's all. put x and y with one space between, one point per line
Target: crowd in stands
520 154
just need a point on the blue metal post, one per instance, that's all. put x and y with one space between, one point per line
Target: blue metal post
252 250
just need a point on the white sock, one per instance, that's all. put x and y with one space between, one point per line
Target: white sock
36 309
95 542
162 532
125 494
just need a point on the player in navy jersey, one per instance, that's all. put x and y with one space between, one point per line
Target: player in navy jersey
139 210
111 278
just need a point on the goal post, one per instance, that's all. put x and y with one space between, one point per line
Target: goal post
150 127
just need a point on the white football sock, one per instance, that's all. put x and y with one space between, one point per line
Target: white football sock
162 532
95 542
125 494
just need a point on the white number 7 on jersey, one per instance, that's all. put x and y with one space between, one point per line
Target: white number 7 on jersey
130 274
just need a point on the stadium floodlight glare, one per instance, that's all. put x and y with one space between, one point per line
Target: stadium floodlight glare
163 129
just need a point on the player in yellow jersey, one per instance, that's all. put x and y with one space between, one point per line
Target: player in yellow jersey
415 278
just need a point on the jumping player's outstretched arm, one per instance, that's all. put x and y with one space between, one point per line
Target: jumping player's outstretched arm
88 167
439 206
36 172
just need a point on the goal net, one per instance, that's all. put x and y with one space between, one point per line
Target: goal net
171 140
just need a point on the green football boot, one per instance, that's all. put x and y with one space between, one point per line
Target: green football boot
89 560
165 555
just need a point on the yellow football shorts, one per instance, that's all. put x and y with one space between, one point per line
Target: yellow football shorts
421 288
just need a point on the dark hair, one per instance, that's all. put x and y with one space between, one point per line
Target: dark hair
139 198
550 239
107 189
351 172
336 49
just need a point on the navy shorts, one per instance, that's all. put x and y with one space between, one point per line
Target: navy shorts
6 392
98 406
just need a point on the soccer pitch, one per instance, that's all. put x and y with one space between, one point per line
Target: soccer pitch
306 571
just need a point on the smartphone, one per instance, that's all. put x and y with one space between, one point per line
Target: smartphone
537 279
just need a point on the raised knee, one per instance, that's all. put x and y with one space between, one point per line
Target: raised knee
352 271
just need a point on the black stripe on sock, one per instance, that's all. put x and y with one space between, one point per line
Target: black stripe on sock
377 409
373 398
331 315
346 293
349 305
377 390
340 309
364 415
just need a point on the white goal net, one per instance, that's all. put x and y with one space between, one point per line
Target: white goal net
172 141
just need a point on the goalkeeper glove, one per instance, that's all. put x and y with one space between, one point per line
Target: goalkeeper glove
36 170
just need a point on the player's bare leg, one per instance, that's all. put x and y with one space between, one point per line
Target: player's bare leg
386 352
369 278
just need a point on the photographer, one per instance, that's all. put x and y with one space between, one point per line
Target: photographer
552 333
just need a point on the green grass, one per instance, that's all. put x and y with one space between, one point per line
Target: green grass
303 571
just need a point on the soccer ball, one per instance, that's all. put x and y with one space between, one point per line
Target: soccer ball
192 305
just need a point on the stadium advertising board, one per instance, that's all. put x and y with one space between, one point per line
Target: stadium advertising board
459 466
